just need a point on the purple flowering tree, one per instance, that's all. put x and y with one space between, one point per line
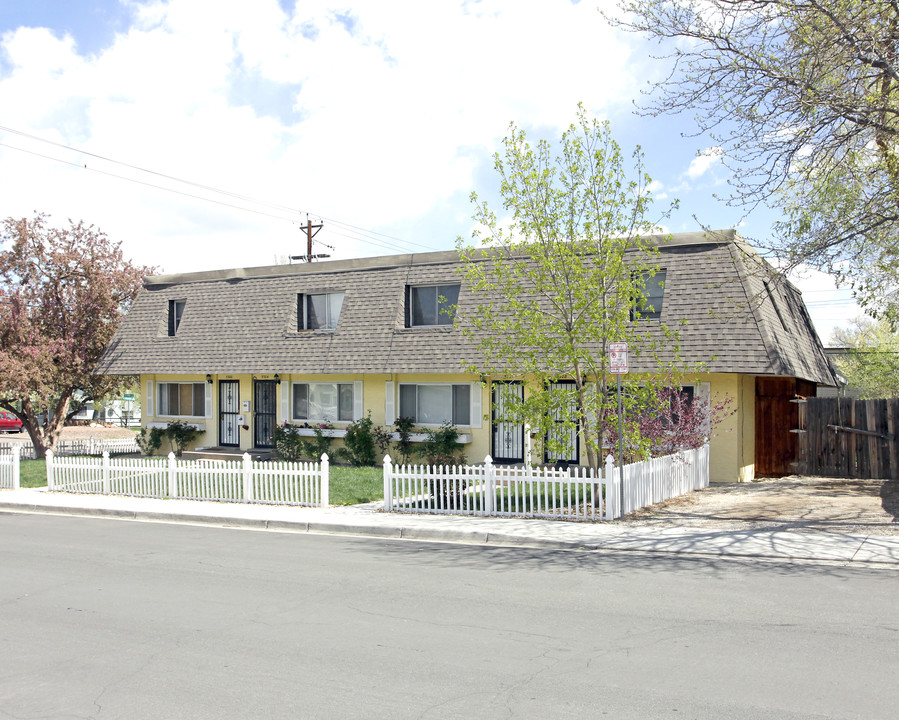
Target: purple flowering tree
63 292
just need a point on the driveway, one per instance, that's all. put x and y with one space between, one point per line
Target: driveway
811 504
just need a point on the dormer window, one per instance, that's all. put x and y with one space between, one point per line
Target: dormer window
649 307
176 310
319 311
429 305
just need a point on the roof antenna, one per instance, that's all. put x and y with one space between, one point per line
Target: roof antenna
309 257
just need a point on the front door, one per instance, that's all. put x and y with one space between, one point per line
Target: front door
565 440
229 409
264 392
508 438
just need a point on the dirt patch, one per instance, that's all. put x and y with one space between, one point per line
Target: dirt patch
811 504
77 432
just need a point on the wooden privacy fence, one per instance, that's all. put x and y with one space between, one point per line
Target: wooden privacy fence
84 446
9 470
542 492
243 480
849 438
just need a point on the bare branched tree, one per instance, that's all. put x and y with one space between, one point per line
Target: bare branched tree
803 98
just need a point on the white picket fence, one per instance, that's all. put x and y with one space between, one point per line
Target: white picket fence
9 470
536 492
661 478
83 446
245 480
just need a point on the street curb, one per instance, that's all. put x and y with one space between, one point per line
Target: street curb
401 531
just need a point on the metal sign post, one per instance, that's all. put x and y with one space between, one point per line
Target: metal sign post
618 367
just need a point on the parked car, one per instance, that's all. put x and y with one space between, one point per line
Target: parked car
9 423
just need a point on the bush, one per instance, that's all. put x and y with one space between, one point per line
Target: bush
441 447
320 444
365 443
149 440
404 445
288 444
292 447
180 435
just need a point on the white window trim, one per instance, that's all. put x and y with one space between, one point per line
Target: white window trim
207 397
474 403
304 312
150 402
390 402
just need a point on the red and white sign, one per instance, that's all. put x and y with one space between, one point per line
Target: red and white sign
618 358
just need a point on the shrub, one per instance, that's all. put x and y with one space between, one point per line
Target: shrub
404 446
149 440
180 435
288 444
364 442
320 444
441 447
292 447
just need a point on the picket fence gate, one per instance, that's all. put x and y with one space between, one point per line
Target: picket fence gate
245 480
542 492
9 470
83 446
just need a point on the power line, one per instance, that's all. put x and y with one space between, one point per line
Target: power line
361 234
146 184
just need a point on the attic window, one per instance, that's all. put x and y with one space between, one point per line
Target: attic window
649 307
319 311
429 305
176 310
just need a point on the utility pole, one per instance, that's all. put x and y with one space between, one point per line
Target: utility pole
309 257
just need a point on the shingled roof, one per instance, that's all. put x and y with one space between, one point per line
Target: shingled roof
738 320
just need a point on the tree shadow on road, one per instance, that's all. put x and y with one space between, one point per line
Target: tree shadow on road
616 562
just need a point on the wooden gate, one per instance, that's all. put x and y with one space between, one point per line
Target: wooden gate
848 438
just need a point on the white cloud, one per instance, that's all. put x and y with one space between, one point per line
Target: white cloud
700 165
372 116
657 190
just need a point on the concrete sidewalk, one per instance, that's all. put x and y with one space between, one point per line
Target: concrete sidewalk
367 521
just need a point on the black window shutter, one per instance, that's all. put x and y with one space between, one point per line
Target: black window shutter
408 306
301 321
172 326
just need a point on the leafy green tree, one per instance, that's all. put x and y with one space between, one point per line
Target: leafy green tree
63 292
803 98
871 363
563 276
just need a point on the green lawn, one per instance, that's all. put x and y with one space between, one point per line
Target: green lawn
33 473
356 485
349 485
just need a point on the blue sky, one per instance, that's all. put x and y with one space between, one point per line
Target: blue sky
378 117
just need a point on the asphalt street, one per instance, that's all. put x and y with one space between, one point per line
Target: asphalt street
106 618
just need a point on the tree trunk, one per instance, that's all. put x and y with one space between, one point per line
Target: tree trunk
45 438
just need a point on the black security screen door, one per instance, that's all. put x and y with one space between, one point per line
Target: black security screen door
229 409
265 418
565 439
508 438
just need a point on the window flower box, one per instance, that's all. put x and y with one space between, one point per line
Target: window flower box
463 439
201 427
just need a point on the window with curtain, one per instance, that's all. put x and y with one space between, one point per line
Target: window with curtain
322 402
319 311
181 399
436 403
